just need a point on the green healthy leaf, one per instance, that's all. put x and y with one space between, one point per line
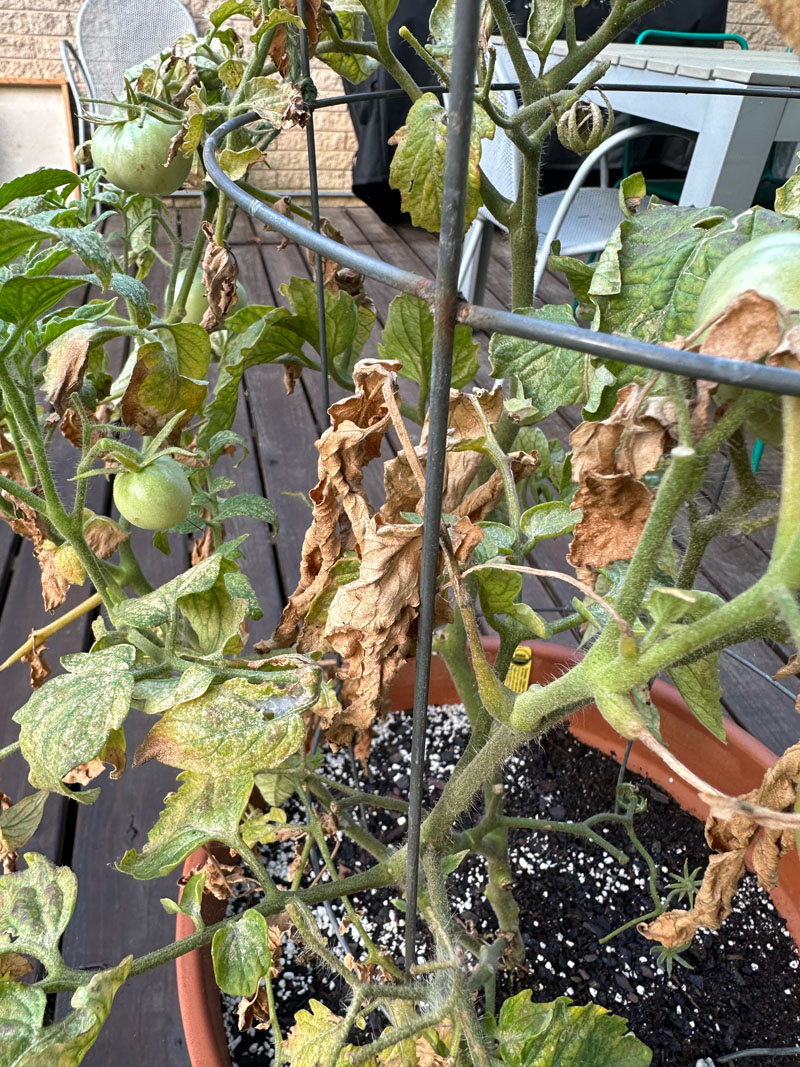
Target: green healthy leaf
263 340
158 606
649 277
37 182
16 238
560 1032
551 377
408 337
499 590
168 378
578 274
35 906
20 822
544 25
23 299
241 955
69 720
251 505
21 1015
203 809
417 167
191 902
238 724
632 191
498 540
67 1041
553 518
341 316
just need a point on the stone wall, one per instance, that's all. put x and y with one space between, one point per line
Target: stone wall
748 18
30 36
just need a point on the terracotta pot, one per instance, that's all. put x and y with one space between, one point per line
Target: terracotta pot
739 764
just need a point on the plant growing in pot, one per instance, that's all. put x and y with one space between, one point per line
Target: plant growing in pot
228 719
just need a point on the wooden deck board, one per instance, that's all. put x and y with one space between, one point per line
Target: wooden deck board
116 914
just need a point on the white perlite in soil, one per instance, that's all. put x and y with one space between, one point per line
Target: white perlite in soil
571 894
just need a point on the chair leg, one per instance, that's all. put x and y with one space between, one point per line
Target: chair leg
482 266
472 258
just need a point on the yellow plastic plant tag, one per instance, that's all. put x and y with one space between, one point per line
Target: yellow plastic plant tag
518 676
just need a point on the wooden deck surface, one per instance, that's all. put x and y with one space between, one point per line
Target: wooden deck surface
116 915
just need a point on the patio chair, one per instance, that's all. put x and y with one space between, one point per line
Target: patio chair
582 219
113 35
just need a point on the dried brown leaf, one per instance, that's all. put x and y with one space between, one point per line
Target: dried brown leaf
749 329
615 509
55 585
203 546
789 668
104 536
67 366
40 668
13 967
292 373
711 907
787 354
84 772
253 1013
220 272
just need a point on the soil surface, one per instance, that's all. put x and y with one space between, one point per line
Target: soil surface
740 993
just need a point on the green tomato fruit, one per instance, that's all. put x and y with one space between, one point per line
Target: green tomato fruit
155 498
197 302
133 155
770 265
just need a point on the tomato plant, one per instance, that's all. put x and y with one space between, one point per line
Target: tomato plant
133 153
129 383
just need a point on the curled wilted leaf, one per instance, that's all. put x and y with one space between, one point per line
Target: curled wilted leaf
220 271
615 509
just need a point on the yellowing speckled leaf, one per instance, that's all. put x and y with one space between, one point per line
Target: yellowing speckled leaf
203 809
235 726
35 907
241 955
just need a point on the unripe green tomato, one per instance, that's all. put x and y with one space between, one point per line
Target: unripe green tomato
197 301
155 498
133 156
771 266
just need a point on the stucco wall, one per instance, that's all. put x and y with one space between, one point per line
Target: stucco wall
30 35
747 18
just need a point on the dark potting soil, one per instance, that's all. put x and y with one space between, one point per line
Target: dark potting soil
741 991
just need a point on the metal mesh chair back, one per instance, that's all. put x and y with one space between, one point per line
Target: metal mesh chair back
500 160
113 35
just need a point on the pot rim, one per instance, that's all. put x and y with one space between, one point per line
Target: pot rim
743 759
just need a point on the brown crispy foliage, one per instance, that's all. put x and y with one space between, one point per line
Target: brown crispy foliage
220 271
730 839
786 16
608 461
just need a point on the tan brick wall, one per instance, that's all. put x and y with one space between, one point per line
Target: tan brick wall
30 36
748 18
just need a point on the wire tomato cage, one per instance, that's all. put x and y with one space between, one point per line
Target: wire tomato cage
448 310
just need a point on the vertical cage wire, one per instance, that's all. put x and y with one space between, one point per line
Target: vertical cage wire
459 129
313 186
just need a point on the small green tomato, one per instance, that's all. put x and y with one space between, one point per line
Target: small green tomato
157 497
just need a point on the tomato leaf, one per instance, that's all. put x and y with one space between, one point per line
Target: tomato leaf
69 720
67 1041
241 955
203 809
250 505
191 901
537 1035
341 316
21 1016
552 377
553 518
20 822
23 299
35 906
37 182
239 724
417 168
168 377
135 294
315 1036
216 617
408 337
544 24
648 279
499 591
354 68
